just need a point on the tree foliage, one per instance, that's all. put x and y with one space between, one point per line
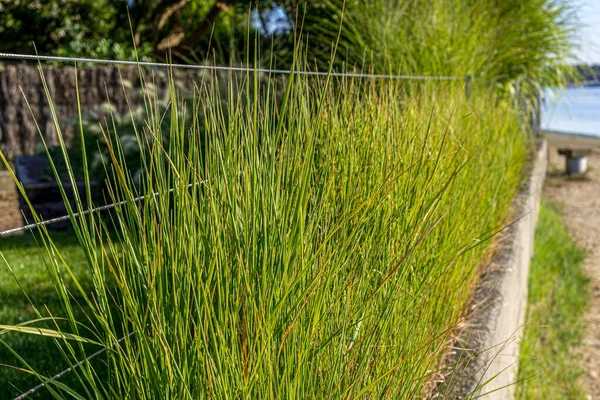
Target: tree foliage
64 27
104 28
500 40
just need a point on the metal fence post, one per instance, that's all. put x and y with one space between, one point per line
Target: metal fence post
468 86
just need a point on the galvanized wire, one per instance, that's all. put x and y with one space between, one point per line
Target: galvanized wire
66 371
30 57
77 215
65 218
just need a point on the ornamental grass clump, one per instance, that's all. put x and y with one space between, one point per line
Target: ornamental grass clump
309 238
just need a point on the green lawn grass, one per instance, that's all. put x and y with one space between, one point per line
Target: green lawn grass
558 293
27 262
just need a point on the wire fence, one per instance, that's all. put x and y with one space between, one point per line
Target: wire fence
29 227
100 81
66 218
29 57
26 57
67 370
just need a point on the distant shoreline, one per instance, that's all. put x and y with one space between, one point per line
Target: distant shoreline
572 112
572 140
584 84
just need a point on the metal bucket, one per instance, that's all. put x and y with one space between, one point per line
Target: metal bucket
576 165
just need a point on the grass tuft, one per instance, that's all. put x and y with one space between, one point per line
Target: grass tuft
318 243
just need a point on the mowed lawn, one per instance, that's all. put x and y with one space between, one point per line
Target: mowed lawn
558 295
26 260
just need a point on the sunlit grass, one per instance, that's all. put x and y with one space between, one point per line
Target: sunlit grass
322 243
322 236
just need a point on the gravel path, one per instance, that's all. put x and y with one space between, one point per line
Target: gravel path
581 213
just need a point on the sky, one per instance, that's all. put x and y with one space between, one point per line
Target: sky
588 13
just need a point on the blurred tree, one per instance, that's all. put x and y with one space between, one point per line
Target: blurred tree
190 28
175 25
101 28
93 28
501 40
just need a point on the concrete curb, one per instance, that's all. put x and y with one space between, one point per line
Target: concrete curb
489 345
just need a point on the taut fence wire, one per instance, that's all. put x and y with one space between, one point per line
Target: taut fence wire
65 218
77 215
78 364
30 57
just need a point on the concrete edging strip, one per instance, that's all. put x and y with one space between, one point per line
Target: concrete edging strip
488 348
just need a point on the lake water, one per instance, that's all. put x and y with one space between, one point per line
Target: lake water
574 110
